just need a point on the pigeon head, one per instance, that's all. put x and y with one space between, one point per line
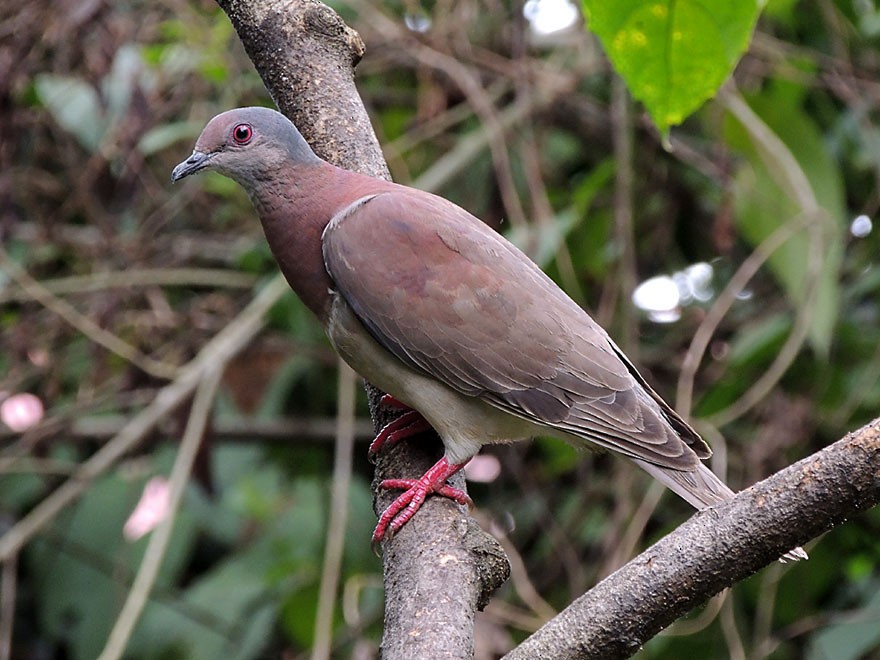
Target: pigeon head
248 145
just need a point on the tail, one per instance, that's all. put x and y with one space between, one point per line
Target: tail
701 489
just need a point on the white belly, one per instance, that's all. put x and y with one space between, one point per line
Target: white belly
463 422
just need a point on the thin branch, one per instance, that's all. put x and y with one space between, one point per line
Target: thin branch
340 482
8 588
634 532
85 325
470 85
33 465
306 430
781 163
470 146
686 627
703 336
543 214
156 548
735 648
789 175
624 234
763 622
519 575
139 277
441 123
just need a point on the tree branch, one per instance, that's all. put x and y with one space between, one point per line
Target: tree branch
713 550
306 55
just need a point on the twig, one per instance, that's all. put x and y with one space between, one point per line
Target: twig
763 622
7 604
791 178
806 311
308 430
226 344
506 614
469 147
82 323
624 235
33 465
155 552
778 157
687 627
340 482
722 304
442 123
735 648
626 546
141 277
542 212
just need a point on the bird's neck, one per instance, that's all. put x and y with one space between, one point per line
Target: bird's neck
294 209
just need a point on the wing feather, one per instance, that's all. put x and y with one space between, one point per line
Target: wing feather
454 299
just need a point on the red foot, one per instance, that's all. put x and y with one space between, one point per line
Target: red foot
416 490
408 424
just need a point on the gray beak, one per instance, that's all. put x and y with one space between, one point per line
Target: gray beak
197 161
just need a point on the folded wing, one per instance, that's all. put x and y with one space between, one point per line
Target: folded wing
454 299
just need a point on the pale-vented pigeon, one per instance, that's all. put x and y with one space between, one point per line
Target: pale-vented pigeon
432 306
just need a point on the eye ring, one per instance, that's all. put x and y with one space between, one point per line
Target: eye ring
242 134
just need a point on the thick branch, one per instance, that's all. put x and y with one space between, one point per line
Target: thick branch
713 550
306 55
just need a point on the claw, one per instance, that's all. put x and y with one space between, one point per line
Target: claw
415 492
408 424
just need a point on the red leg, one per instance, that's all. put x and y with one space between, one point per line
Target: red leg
416 490
408 424
392 402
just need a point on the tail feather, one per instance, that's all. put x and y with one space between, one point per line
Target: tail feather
701 489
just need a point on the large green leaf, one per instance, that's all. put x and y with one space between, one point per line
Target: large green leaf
673 54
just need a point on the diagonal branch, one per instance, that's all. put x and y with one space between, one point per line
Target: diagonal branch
713 550
161 537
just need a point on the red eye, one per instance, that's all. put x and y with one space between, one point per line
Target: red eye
242 134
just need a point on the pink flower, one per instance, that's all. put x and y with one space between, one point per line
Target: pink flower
21 411
150 510
483 468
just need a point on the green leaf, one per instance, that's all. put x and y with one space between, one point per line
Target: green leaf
673 55
75 105
851 639
164 135
119 84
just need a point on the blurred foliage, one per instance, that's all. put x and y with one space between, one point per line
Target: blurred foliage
92 127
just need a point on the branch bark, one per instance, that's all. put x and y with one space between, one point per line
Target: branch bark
713 550
306 56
